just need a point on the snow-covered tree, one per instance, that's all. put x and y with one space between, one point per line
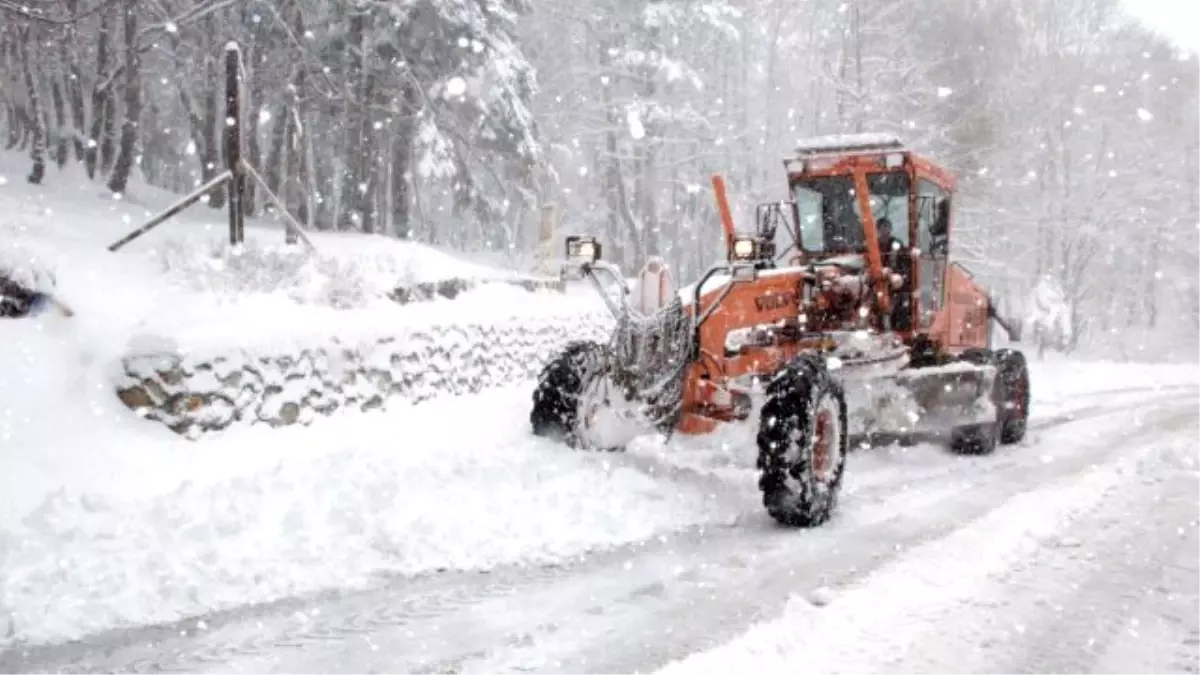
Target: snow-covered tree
1073 130
1048 316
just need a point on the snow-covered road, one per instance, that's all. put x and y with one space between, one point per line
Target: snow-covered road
1076 550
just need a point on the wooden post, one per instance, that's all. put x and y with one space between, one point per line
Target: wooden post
547 228
233 143
238 171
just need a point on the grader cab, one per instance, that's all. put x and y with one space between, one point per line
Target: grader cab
840 313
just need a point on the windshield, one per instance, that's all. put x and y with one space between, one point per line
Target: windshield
829 215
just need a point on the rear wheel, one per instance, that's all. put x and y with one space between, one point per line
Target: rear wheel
802 443
1013 373
982 438
566 395
1010 397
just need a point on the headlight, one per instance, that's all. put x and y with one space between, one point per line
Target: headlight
744 249
583 249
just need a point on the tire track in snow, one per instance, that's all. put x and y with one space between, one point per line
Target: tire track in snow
1113 589
293 624
726 598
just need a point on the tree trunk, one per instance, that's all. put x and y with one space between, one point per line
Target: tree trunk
58 104
323 180
402 146
352 213
75 88
37 153
16 125
297 179
119 179
99 97
108 136
273 172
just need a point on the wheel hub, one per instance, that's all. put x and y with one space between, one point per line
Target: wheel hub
820 456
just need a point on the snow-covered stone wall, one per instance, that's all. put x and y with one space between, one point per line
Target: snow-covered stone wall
194 395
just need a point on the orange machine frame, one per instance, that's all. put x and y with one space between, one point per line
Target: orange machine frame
775 295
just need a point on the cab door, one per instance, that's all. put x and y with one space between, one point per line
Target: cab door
933 216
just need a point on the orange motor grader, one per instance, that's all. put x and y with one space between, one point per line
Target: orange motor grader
841 313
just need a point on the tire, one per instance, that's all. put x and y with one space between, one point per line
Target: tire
979 439
556 400
801 473
1013 373
922 352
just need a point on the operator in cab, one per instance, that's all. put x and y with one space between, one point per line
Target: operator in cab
895 257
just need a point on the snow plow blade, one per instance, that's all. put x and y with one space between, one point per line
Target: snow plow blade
923 400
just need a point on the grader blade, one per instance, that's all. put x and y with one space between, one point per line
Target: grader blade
922 400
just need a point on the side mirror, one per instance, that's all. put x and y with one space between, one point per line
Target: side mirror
940 245
941 221
582 249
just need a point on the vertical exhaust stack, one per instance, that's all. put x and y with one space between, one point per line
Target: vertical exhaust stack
718 183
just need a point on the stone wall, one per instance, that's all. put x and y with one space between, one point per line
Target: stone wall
451 288
194 395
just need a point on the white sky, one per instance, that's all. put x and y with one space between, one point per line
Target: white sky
1178 20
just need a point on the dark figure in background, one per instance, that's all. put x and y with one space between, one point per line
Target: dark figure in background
896 257
17 302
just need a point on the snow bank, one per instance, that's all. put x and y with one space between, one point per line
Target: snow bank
68 223
199 335
352 274
1057 379
258 515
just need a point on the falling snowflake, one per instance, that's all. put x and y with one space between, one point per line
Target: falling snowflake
634 121
943 92
1144 115
456 86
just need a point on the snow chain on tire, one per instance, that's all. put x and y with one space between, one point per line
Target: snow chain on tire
792 491
555 411
1012 379
1013 372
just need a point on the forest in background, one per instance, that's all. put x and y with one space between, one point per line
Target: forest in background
1074 131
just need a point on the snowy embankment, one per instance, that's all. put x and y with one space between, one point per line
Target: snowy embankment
140 526
109 520
200 337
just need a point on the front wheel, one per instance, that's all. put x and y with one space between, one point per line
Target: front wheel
802 443
571 394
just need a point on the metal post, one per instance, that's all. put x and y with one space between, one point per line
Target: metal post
233 143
